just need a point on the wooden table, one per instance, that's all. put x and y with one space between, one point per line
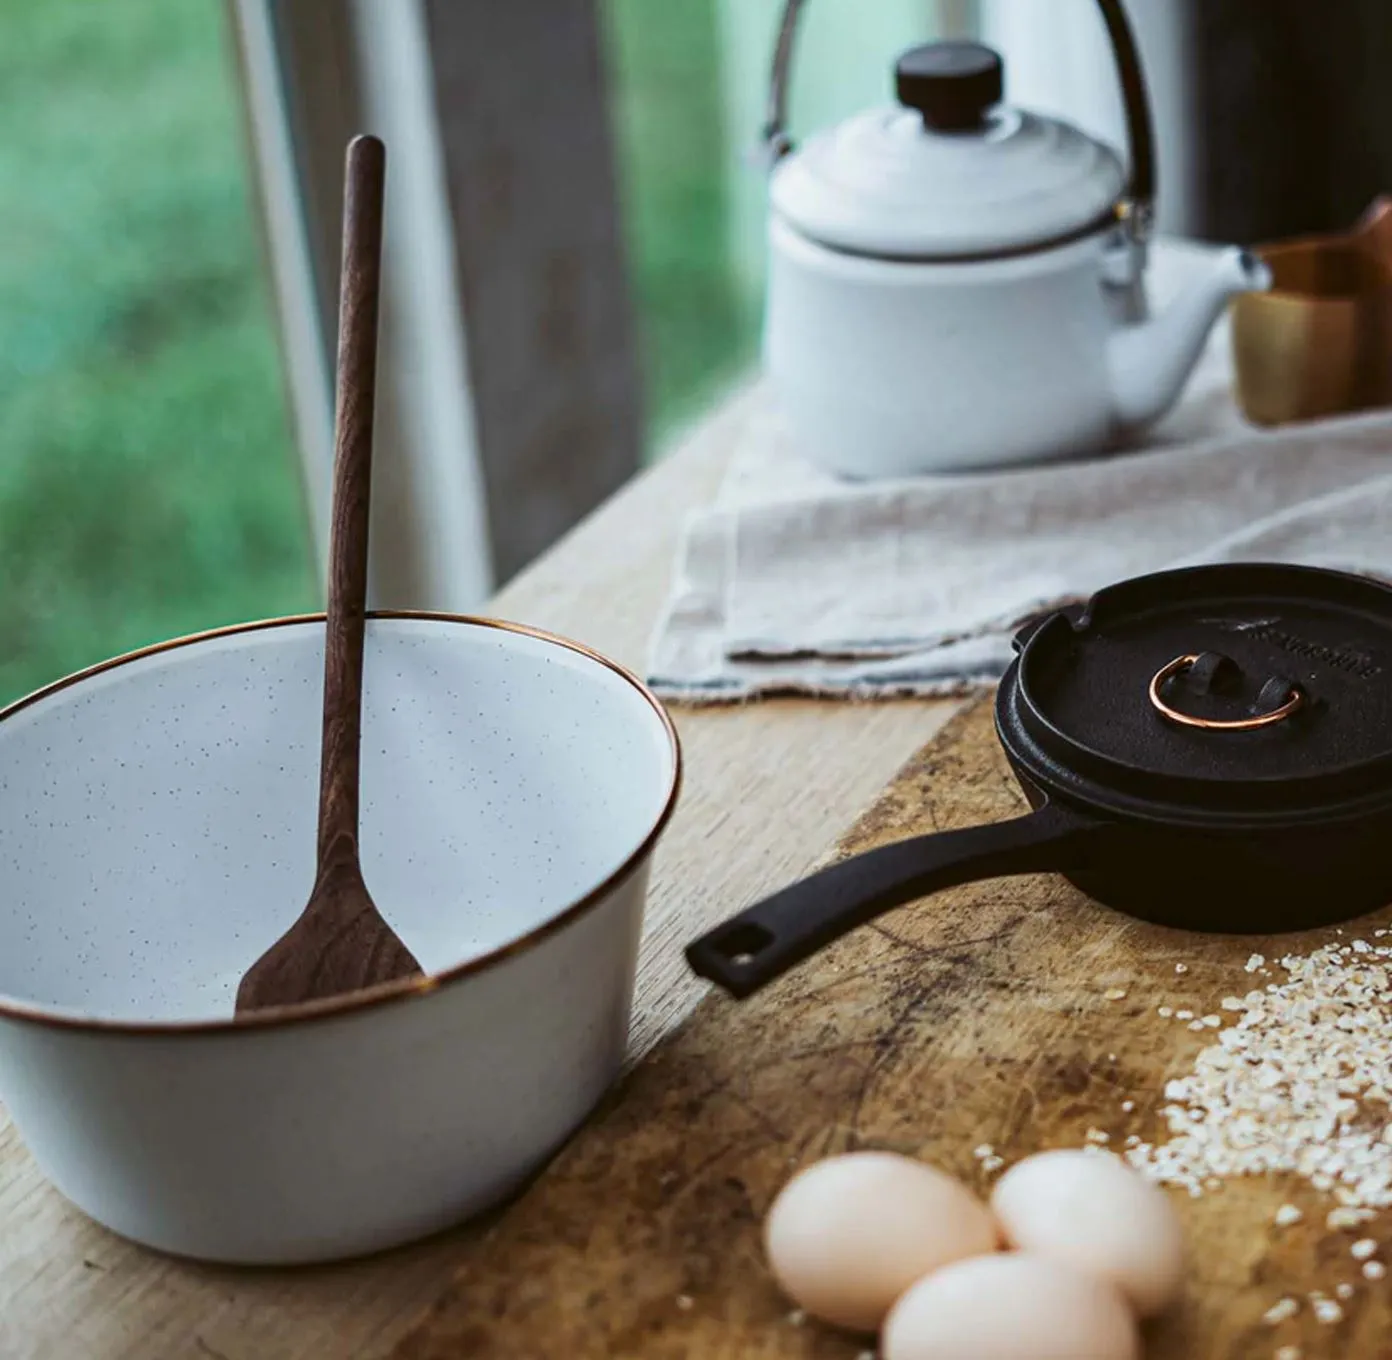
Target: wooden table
768 787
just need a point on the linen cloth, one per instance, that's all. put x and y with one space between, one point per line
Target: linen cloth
795 581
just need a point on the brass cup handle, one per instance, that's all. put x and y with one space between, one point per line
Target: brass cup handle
1182 663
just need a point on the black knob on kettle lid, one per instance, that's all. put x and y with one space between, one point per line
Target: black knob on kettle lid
952 84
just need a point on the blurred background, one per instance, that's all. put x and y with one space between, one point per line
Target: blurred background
575 258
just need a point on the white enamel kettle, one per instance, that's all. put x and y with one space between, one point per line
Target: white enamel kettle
957 284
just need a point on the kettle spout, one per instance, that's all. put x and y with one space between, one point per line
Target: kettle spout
1149 361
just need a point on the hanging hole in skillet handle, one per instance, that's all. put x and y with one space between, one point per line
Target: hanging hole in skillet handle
1279 699
740 943
766 940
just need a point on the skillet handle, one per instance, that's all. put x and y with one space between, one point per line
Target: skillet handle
766 940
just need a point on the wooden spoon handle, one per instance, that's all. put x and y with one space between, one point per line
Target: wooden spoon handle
364 179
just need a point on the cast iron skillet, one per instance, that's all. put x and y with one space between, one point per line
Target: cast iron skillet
1208 748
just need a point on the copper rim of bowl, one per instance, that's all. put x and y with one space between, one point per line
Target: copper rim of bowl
387 992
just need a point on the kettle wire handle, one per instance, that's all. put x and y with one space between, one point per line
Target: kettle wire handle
1135 211
774 139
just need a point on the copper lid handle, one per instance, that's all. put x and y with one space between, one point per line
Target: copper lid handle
1295 698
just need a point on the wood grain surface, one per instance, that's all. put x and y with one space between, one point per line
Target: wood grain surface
990 1014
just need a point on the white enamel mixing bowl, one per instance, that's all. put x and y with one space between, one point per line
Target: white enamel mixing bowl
157 833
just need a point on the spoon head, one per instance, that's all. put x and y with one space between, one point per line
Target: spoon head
339 944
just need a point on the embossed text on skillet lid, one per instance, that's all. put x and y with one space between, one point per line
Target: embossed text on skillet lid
1244 690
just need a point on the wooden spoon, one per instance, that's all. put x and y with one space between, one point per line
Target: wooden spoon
340 942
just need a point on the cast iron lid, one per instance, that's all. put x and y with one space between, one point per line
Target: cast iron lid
1223 696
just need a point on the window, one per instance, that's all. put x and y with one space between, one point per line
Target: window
689 80
148 485
152 481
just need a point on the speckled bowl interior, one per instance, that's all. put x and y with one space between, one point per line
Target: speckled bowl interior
157 819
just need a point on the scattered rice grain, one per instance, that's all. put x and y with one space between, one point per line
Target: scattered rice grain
1345 1216
1285 1087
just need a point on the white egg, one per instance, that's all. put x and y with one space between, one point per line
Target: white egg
1092 1211
848 1235
1010 1306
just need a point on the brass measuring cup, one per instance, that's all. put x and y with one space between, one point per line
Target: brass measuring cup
1319 343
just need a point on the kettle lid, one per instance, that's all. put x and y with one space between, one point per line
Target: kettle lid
948 172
